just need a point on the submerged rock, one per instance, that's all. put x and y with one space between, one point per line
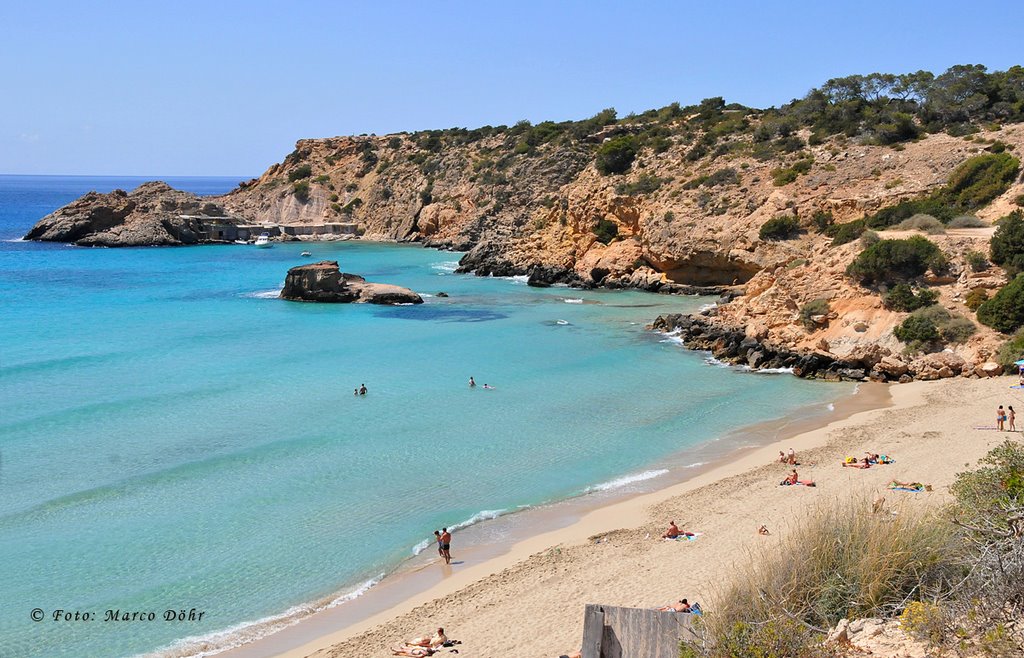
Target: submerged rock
325 282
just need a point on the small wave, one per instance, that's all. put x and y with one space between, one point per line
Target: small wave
572 300
425 295
830 406
16 240
483 515
856 388
519 279
695 464
422 546
774 371
448 266
712 361
627 479
263 294
707 307
200 646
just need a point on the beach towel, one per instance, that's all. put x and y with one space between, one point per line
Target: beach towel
986 427
690 537
905 489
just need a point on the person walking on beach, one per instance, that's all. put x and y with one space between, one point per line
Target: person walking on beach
1000 418
446 545
472 382
1011 417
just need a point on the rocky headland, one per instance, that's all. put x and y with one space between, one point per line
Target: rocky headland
674 200
325 282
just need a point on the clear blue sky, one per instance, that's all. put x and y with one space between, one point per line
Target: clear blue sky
225 88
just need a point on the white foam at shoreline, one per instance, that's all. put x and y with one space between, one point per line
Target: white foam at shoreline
446 267
483 515
572 300
618 483
263 294
16 240
712 361
200 646
830 407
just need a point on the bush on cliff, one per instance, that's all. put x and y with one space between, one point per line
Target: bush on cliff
301 191
975 298
300 172
972 185
843 233
811 309
1012 350
783 227
902 298
616 155
1005 311
892 261
1007 244
606 230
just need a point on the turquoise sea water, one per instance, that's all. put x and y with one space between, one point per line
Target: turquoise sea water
172 436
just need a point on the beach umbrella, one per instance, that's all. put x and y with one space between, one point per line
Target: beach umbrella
1019 363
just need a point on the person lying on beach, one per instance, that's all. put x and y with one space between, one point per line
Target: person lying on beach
851 462
411 651
763 530
913 486
681 606
672 532
430 641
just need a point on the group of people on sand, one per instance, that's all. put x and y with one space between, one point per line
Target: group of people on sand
444 544
1006 419
788 458
426 645
870 459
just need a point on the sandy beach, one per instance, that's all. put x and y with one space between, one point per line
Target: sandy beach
533 596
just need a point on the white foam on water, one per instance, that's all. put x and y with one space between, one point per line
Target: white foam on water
772 371
200 646
572 300
483 515
562 322
707 307
695 464
17 240
830 406
420 547
519 279
263 294
448 266
618 483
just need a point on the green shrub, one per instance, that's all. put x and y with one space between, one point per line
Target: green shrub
645 184
606 230
966 221
1006 247
1005 311
301 191
868 238
786 175
726 176
812 308
892 261
922 222
822 220
902 298
917 332
322 179
975 298
1012 350
395 143
977 261
300 172
783 227
616 155
1019 200
351 206
843 233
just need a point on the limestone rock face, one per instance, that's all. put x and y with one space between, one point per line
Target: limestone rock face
325 282
151 214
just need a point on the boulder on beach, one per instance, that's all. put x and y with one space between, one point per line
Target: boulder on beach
325 282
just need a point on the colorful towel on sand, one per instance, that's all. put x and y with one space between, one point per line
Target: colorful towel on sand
916 487
691 537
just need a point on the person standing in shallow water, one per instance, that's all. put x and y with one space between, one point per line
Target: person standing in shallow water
437 538
446 545
362 390
472 382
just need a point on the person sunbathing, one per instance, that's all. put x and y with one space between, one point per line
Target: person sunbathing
763 530
851 462
791 479
430 641
672 532
681 606
412 651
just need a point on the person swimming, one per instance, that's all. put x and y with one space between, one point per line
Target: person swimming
472 382
488 387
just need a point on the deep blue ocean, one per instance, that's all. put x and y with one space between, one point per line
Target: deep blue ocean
174 436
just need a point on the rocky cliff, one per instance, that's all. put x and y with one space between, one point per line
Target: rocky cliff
672 200
151 214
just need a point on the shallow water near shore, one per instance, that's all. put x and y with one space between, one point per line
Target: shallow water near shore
173 436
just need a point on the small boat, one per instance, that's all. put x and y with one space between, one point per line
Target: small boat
306 253
263 242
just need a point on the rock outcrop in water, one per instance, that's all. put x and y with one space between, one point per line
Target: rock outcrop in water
152 214
325 282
